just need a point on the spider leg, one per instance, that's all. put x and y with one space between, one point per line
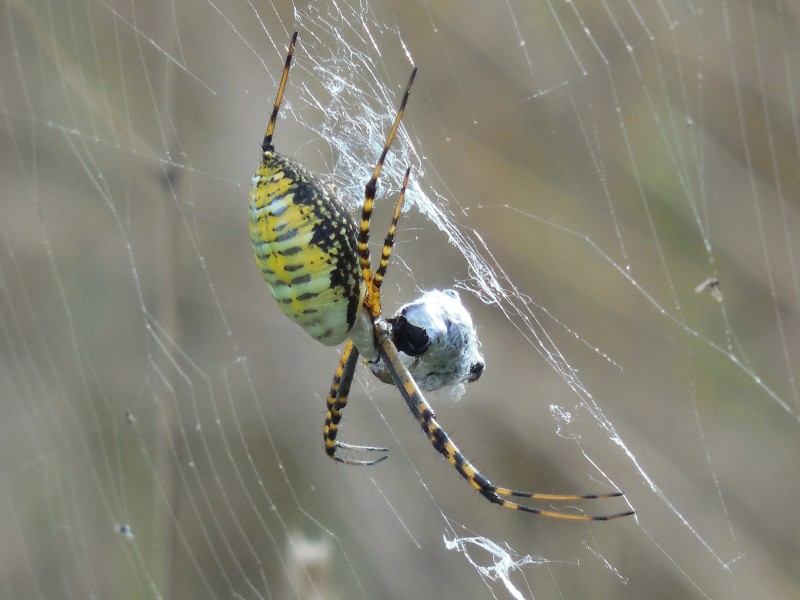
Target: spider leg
267 146
369 197
388 242
423 412
337 400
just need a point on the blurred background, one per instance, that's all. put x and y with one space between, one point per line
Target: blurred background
580 170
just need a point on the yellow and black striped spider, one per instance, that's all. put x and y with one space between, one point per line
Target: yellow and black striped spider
315 260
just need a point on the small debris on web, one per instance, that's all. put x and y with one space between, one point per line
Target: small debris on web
126 531
710 286
503 563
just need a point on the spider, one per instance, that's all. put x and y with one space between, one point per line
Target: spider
316 262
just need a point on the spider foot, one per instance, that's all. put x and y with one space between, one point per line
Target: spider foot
363 463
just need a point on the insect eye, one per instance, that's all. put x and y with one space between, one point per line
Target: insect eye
409 338
476 370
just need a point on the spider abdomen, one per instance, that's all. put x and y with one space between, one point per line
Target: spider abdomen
305 245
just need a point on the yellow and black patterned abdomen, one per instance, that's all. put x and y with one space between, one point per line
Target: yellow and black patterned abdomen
305 244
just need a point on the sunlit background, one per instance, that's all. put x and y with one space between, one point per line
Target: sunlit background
160 434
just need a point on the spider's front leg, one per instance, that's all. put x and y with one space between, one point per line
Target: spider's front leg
337 400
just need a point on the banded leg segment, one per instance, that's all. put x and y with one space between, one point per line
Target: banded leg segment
266 145
336 401
441 441
371 188
386 252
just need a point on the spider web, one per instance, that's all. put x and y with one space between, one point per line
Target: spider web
613 189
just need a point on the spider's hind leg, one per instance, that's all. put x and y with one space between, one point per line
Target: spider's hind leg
266 145
337 400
